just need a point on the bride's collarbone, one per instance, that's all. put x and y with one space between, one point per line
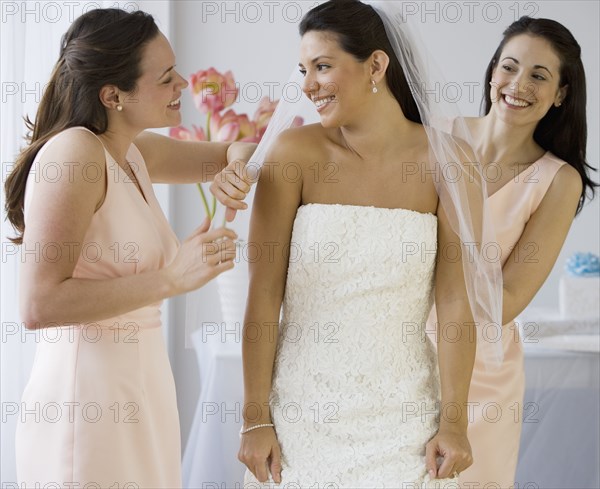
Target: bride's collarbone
394 183
387 194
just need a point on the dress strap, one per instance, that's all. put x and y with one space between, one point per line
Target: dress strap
546 169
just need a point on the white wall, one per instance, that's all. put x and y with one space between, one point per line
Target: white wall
258 41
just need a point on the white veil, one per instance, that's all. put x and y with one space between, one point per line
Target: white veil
459 181
460 186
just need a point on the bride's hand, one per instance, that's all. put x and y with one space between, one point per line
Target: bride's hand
260 452
454 448
232 185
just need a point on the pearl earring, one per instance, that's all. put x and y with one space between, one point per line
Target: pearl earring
119 108
375 90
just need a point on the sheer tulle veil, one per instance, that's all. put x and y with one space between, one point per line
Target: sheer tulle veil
459 181
458 174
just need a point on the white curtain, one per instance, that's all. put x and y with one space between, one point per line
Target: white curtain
30 42
30 45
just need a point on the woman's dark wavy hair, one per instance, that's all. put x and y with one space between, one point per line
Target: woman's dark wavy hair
360 31
102 47
563 130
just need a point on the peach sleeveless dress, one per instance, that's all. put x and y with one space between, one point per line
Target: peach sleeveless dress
496 397
100 407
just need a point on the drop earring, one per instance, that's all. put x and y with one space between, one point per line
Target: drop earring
375 89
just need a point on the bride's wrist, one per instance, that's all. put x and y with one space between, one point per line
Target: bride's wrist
248 423
248 429
456 427
256 413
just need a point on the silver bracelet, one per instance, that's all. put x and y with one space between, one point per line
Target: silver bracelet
255 427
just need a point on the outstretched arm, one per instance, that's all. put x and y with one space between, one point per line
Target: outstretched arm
173 161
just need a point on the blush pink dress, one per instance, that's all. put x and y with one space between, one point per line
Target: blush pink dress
496 397
100 407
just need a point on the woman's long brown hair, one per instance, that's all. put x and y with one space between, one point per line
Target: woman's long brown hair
102 47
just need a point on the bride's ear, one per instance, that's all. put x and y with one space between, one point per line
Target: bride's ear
379 63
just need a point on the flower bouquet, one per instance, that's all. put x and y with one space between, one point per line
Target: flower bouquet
214 92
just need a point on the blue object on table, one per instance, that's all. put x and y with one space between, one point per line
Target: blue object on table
583 265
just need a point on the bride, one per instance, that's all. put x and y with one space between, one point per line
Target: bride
344 390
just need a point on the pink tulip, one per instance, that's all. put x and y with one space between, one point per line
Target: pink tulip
185 134
181 133
199 133
212 90
297 122
232 127
263 116
248 132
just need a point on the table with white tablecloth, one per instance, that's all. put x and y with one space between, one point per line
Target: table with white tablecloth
560 443
210 458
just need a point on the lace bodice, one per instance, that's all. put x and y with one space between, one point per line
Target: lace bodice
355 385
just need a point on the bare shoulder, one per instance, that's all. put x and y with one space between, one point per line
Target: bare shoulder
563 194
70 182
301 143
73 164
287 157
74 147
567 180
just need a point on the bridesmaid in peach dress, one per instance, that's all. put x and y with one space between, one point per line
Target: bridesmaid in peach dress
100 408
532 142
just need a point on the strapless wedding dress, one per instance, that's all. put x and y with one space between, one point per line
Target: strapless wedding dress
355 389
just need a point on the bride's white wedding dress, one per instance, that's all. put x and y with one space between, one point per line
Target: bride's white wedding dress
355 386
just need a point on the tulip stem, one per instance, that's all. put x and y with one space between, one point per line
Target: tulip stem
204 201
208 117
209 212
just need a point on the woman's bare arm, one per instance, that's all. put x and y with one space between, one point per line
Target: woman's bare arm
536 251
173 161
275 205
58 217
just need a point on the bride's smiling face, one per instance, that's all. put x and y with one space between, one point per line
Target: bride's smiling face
334 80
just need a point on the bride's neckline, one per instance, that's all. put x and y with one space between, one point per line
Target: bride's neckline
397 209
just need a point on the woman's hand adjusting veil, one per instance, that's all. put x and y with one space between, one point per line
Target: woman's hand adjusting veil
232 185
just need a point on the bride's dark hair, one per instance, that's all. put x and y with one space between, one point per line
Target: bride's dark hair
360 31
